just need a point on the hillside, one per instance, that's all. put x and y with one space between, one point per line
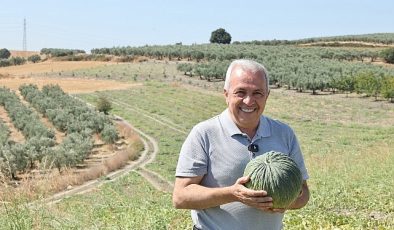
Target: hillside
24 54
376 38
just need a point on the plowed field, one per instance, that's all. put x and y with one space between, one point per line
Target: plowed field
12 77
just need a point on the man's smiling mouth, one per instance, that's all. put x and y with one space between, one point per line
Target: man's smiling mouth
246 110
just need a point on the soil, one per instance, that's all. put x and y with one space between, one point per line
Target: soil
69 85
49 67
25 54
15 135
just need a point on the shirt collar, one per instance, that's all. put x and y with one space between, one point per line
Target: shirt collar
264 129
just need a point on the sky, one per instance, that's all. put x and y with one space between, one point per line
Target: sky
88 24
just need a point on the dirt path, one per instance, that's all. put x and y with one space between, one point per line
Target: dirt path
15 134
169 124
148 155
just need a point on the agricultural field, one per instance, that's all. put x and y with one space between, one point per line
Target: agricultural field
347 141
46 133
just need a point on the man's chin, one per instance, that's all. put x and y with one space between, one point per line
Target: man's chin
247 122
247 117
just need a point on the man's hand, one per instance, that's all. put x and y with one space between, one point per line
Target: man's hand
257 199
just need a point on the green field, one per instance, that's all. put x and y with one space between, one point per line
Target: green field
347 143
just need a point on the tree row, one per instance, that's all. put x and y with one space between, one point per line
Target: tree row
76 120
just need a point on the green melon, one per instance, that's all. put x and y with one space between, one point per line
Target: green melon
277 174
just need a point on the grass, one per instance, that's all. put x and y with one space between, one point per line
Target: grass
347 145
127 203
346 152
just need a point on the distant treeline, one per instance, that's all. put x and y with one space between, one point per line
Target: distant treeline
217 52
12 61
383 38
55 52
377 38
220 52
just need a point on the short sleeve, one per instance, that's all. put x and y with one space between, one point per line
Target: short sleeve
193 157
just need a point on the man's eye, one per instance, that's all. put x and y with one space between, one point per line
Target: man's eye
258 94
239 94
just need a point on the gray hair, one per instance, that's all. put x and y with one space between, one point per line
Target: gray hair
246 65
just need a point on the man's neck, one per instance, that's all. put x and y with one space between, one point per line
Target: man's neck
249 132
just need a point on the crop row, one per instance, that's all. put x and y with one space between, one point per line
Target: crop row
323 76
68 114
22 156
24 118
77 120
4 133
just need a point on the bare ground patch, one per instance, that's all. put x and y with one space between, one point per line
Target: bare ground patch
15 134
21 53
69 85
50 66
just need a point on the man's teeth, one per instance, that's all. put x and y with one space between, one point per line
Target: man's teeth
247 110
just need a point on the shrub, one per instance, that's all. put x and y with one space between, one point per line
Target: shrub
34 58
109 134
4 62
368 83
103 104
388 55
388 88
17 61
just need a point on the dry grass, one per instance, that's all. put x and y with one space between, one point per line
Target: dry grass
25 54
117 161
50 67
337 108
69 85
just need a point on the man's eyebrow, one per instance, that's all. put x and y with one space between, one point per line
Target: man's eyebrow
239 88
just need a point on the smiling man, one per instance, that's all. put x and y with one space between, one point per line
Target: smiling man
209 175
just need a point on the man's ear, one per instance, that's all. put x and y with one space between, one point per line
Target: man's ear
266 98
225 93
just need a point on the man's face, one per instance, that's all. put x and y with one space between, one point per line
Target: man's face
246 98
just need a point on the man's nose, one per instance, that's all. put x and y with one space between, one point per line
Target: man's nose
248 100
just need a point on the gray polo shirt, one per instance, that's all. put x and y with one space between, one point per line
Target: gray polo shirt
218 150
